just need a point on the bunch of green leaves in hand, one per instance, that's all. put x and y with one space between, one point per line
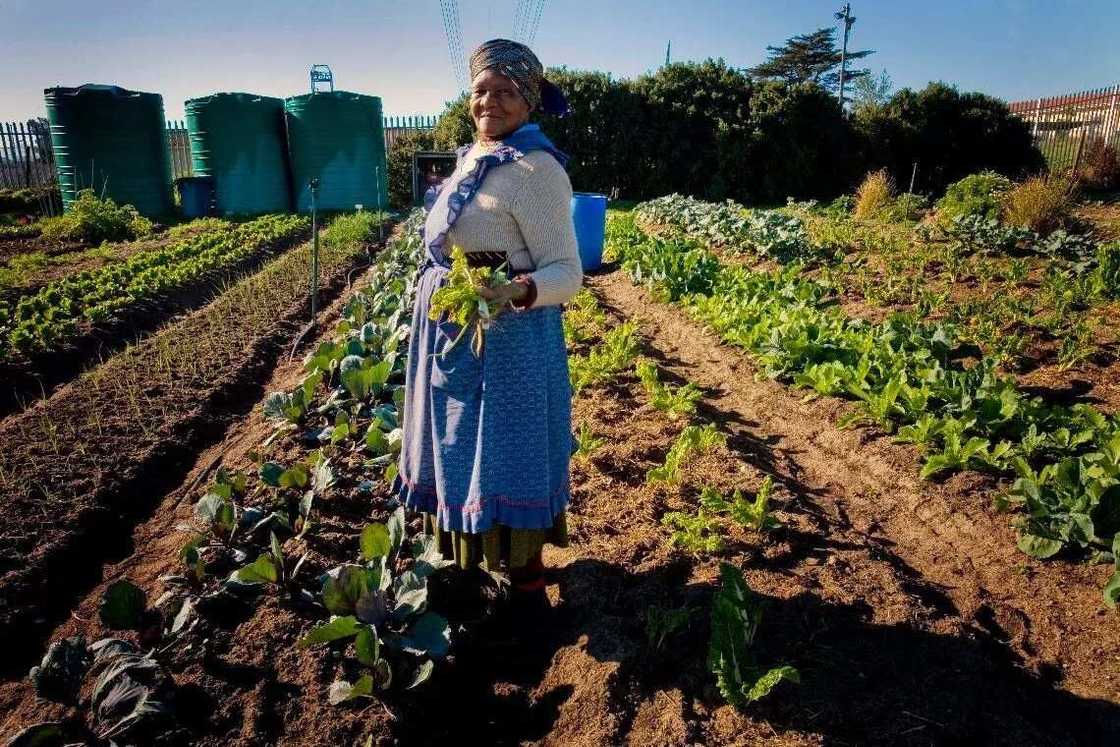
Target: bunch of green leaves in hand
460 302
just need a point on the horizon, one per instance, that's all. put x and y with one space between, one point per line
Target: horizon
267 48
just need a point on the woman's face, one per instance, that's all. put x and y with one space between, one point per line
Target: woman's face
497 107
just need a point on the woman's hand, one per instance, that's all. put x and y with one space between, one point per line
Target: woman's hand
511 292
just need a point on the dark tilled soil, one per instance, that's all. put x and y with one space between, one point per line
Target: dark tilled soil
14 247
907 609
28 380
71 511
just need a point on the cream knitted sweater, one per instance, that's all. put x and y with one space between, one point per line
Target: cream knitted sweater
524 209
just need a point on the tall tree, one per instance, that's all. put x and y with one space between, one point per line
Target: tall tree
810 58
871 91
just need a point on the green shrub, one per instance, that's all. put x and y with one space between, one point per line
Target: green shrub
18 231
1042 203
1100 166
400 156
841 207
92 220
949 134
874 195
977 194
907 206
699 128
26 200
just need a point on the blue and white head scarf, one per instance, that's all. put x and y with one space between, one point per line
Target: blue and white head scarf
518 63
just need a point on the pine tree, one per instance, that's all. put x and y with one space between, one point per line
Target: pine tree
812 57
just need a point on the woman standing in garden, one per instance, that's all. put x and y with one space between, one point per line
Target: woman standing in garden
487 434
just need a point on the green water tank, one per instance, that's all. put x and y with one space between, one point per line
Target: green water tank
237 139
114 141
339 138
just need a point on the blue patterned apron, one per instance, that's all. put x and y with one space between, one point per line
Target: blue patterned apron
487 439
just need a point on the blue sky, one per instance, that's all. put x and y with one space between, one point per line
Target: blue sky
397 50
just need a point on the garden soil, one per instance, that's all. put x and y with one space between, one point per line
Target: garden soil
906 607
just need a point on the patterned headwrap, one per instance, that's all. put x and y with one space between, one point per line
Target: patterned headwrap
518 63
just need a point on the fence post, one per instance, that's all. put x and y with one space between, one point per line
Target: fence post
1110 118
1077 154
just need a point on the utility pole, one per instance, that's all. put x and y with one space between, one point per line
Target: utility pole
667 48
846 16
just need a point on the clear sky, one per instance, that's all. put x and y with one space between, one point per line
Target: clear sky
397 50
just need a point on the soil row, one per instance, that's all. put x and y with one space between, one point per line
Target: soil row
80 468
39 376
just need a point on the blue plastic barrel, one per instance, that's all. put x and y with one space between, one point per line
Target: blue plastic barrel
195 193
589 214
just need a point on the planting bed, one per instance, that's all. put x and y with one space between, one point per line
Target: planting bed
80 466
904 605
47 334
28 271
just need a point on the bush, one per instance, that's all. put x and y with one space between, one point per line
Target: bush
1107 273
841 207
801 145
874 195
92 220
703 129
950 134
26 200
1100 166
907 206
1041 203
977 194
400 156
454 127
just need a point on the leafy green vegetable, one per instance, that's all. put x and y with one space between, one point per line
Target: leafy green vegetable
59 674
748 513
662 624
736 615
459 302
697 533
375 542
613 355
338 628
675 402
122 605
342 691
586 442
693 440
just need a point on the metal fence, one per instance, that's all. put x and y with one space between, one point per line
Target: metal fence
26 158
1065 126
179 144
397 126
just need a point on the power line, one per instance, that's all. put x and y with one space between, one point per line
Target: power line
519 20
443 9
464 78
531 37
452 27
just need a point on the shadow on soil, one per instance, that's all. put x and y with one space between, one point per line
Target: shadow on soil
862 682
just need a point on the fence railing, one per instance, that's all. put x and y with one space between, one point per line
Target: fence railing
27 160
1065 126
179 144
397 126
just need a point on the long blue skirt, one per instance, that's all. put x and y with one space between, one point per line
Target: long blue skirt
487 439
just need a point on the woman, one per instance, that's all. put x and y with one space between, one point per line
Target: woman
488 437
